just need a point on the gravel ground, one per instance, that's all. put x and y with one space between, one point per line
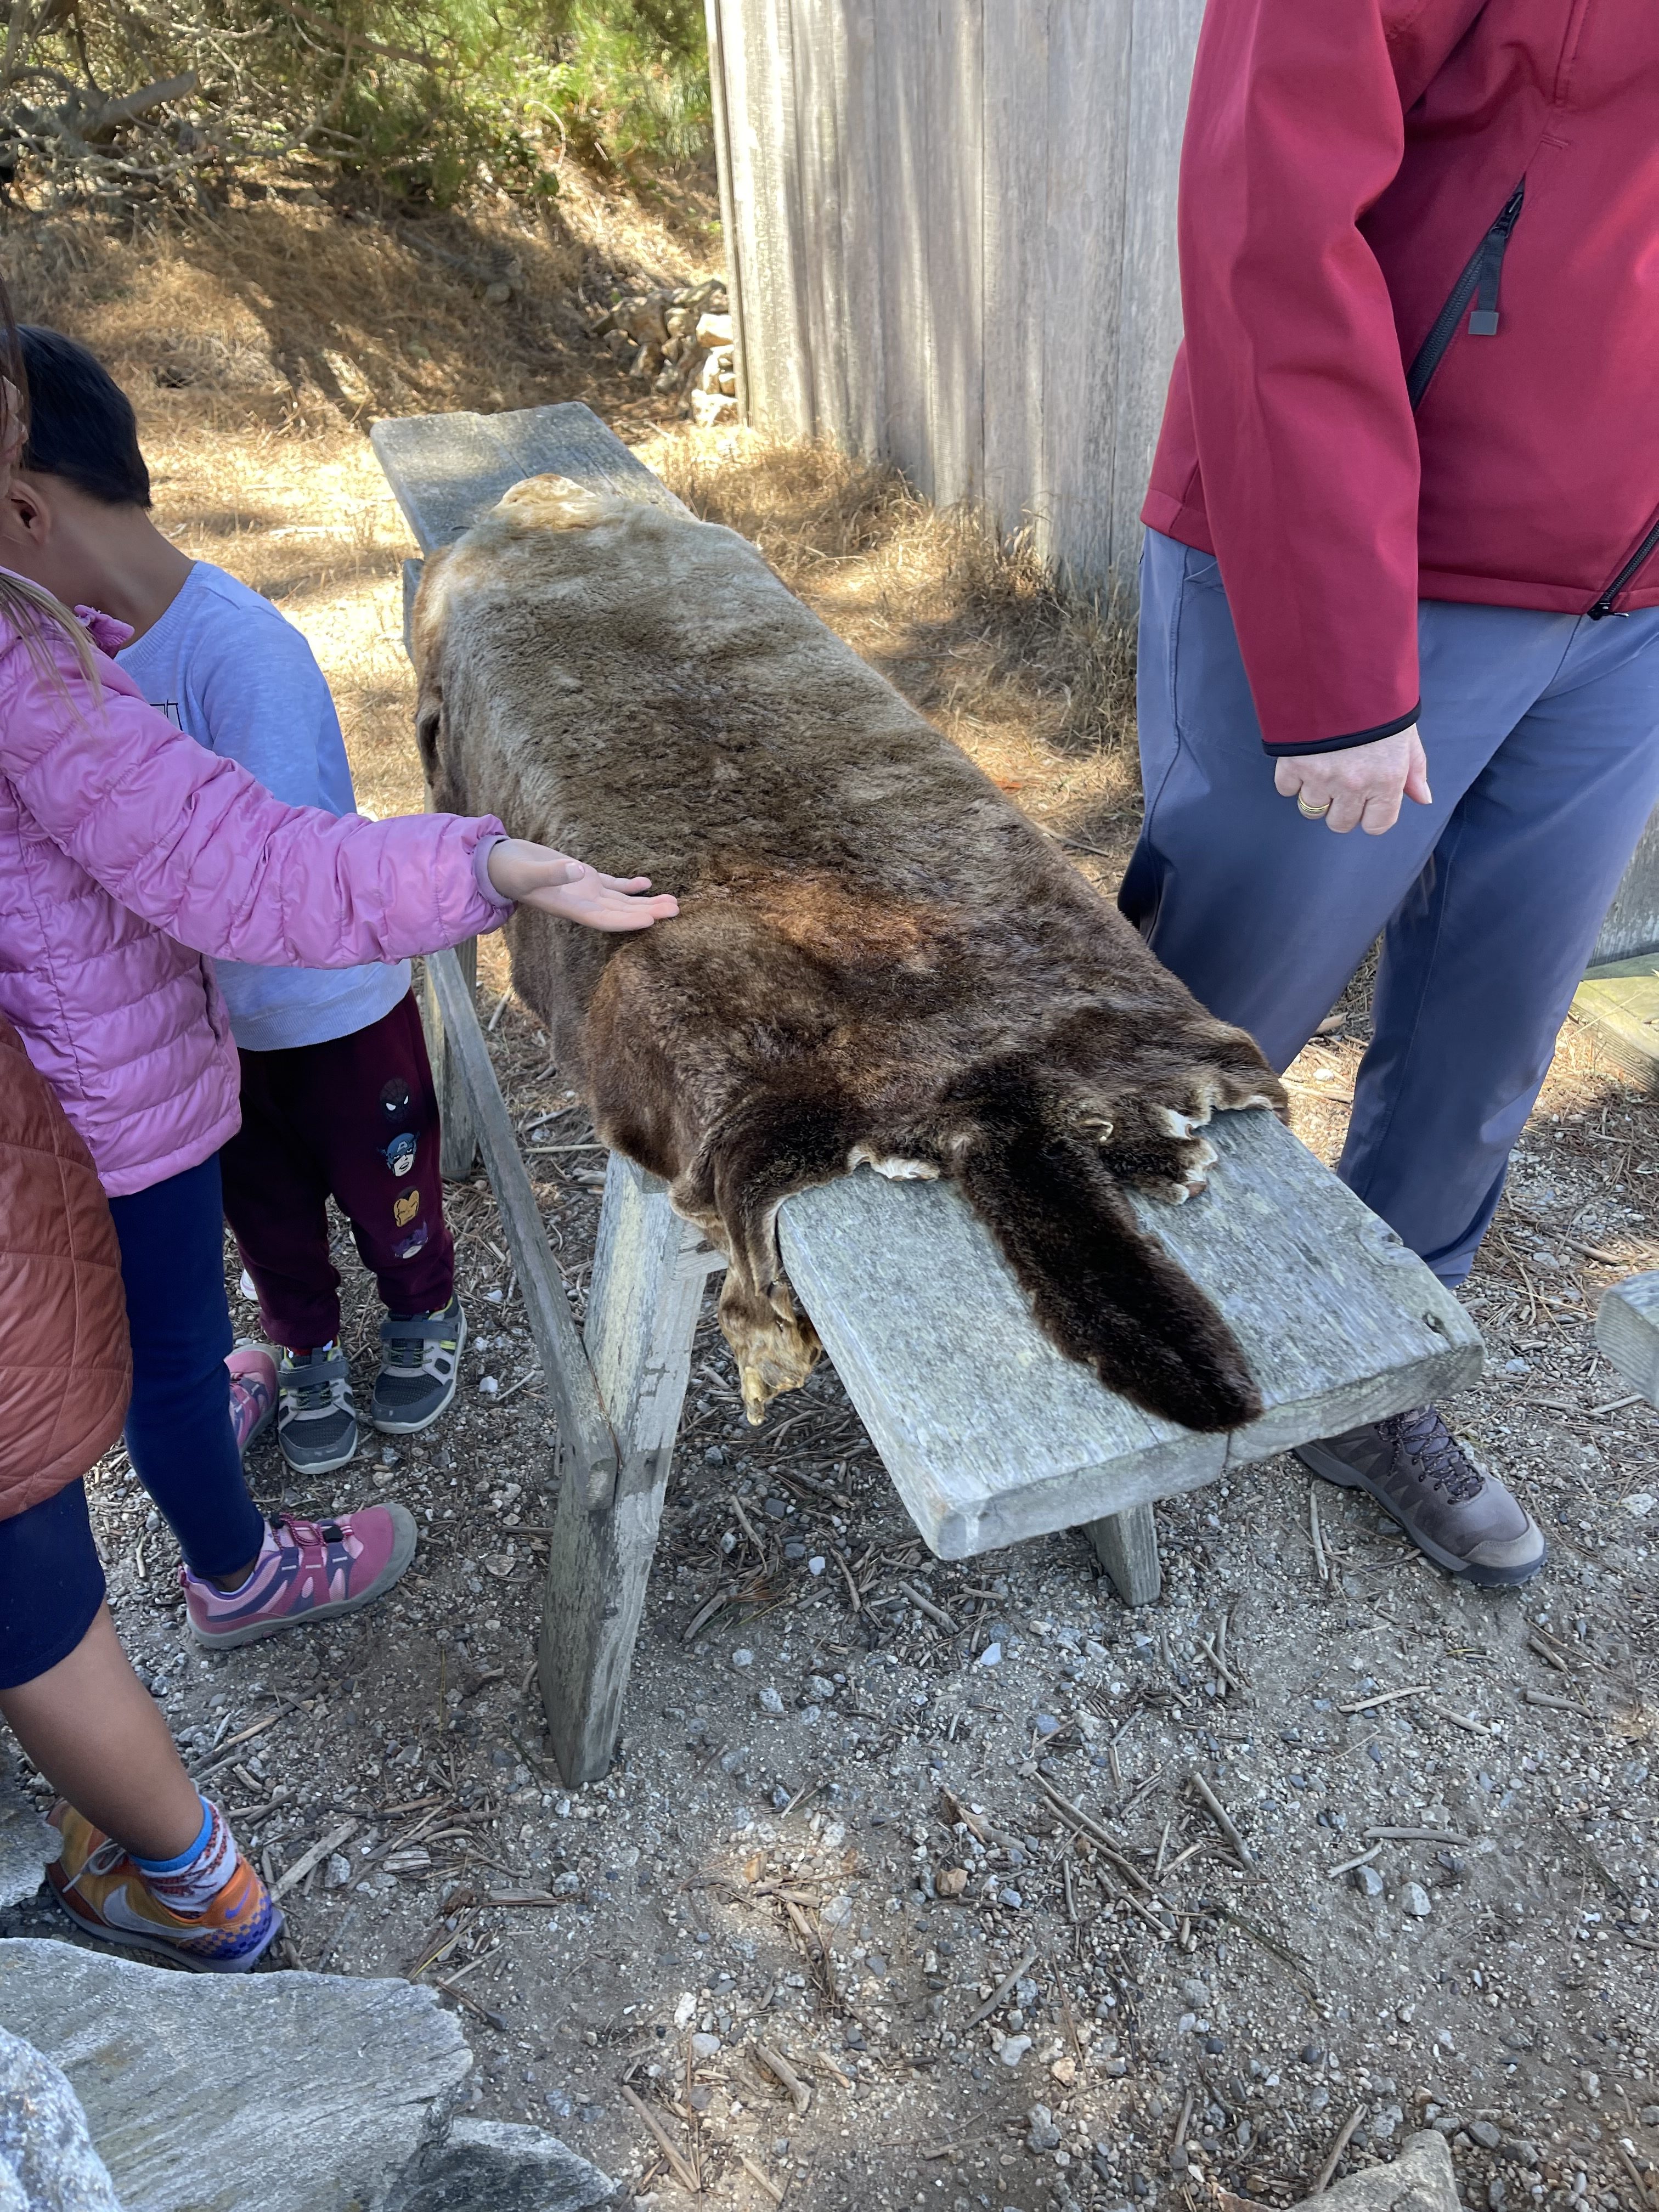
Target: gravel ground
901 1891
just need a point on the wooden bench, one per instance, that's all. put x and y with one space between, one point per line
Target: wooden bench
988 1434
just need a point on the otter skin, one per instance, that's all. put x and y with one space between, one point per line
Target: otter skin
877 958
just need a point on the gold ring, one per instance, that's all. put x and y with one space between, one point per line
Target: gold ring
1312 813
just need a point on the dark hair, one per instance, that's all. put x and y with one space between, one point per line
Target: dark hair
81 426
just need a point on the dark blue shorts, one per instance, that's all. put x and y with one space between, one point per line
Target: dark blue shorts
50 1585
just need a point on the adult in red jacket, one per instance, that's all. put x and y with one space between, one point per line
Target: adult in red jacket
1403 535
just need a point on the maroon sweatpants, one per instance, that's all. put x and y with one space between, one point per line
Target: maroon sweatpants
356 1118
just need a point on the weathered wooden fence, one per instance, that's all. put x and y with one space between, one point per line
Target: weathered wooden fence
951 228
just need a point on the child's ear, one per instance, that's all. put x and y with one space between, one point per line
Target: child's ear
24 513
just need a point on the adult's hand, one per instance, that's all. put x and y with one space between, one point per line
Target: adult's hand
1361 786
535 875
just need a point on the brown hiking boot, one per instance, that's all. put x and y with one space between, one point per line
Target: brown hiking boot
1463 1519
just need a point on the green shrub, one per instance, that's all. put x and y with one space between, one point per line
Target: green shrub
421 99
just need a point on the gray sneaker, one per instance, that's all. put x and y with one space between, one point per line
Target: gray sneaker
1463 1519
420 1365
316 1419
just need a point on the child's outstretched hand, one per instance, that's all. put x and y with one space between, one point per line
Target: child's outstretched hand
535 875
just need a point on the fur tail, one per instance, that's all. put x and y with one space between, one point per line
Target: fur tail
1109 1297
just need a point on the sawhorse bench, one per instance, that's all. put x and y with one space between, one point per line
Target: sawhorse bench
988 1434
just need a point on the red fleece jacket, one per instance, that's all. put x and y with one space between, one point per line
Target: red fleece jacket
1419 268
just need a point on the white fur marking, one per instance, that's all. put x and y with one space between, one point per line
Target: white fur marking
896 1170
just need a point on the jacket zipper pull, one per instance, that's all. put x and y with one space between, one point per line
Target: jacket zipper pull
1483 321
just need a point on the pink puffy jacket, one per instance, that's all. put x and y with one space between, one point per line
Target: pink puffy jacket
127 852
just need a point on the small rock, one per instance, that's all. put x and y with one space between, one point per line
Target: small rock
742 1657
1367 1881
1650 2115
1640 1503
338 1873
771 1701
1414 1899
991 1656
816 1563
705 2046
1041 2133
1065 2072
715 330
950 1881
1012 2048
489 1385
1484 2133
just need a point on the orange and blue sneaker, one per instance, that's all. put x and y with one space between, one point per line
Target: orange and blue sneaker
107 1893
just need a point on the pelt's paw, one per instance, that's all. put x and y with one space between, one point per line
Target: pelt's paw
1153 1147
774 1344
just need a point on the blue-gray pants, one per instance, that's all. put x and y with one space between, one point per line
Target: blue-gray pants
1542 734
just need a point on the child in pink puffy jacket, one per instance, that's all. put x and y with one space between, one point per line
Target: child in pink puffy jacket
131 857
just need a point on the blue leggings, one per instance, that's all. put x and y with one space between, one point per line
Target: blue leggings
179 1434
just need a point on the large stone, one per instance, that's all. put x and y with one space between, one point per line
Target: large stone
1420 2181
493 2166
292 2093
27 1845
48 2163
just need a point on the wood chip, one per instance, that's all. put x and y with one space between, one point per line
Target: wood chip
1218 1813
776 2063
1336 2150
678 2167
1098 1834
1386 1698
923 1603
318 1852
756 2175
1413 1835
1000 1991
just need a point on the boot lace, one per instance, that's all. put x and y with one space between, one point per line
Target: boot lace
1424 1438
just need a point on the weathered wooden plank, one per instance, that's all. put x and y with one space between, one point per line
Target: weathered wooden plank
1627 1331
760 80
585 1434
991 1435
902 81
446 471
733 230
1014 191
1619 1001
1089 44
955 265
1631 925
1126 1543
649 1270
458 1139
862 220
1164 38
817 44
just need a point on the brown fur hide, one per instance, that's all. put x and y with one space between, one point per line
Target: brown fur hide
877 958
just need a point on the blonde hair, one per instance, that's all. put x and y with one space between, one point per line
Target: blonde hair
33 613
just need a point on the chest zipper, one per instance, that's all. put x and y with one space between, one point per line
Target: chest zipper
1479 282
1603 606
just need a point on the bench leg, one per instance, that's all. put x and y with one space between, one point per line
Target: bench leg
648 1275
1126 1543
458 1146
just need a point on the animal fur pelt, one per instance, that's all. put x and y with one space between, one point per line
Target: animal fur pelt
877 958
